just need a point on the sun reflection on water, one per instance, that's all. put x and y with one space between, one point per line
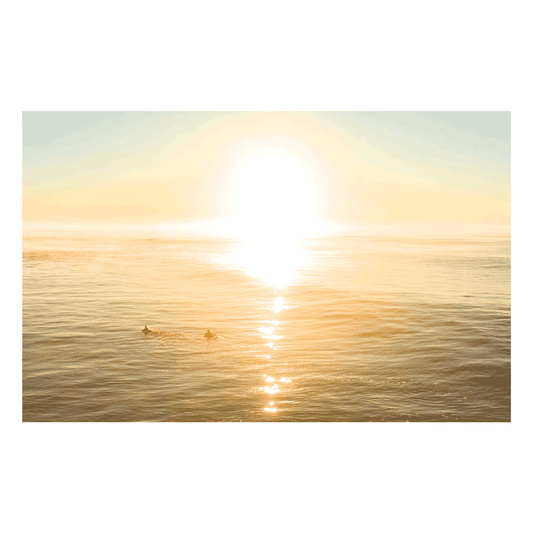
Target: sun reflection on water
279 304
271 247
274 261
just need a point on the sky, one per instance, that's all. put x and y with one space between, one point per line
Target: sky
366 167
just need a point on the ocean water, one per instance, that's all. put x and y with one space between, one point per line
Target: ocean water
352 327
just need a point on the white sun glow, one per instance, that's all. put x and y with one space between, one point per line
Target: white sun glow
273 202
273 193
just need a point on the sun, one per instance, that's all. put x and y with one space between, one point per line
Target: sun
273 205
273 193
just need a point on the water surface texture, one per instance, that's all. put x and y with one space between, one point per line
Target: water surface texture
340 328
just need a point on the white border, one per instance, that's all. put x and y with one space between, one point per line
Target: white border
517 100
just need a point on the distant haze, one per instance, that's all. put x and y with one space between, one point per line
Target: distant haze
378 168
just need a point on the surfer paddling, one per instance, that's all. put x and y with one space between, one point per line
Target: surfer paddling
210 336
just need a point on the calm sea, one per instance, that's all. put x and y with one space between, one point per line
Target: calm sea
353 327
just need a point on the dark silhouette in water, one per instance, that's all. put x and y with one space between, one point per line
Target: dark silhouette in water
210 336
157 333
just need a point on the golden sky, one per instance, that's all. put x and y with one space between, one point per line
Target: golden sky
367 167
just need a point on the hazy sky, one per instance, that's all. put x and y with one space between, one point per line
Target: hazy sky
382 167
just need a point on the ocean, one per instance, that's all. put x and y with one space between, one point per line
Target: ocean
353 326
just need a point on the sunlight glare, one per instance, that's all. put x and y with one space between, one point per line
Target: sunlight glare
279 304
273 205
273 193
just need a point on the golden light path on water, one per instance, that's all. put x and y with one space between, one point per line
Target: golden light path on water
268 333
275 257
276 261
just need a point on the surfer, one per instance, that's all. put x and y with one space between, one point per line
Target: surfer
146 330
209 335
